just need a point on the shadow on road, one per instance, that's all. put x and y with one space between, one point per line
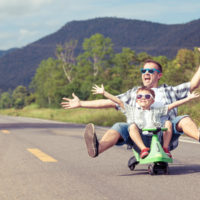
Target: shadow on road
38 125
173 170
184 169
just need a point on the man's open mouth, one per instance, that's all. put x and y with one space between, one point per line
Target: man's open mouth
146 78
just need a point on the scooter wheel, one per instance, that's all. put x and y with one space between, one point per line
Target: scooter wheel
166 171
151 170
132 167
158 168
132 163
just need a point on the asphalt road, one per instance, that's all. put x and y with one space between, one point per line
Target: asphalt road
46 160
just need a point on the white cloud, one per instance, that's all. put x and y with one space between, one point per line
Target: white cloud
25 21
24 33
19 3
17 39
10 8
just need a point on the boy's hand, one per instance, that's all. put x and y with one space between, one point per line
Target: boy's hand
98 90
194 95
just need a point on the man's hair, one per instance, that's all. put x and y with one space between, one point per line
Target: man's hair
143 88
155 62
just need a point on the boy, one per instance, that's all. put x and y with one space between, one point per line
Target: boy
145 117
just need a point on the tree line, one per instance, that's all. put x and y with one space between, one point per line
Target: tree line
59 77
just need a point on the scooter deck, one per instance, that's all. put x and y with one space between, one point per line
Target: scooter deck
156 154
157 159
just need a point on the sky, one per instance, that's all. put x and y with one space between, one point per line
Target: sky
25 21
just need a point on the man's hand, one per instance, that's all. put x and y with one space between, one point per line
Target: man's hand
98 90
71 103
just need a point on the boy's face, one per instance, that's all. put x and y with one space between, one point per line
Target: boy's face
144 99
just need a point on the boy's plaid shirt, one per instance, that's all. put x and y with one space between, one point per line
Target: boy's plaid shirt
171 93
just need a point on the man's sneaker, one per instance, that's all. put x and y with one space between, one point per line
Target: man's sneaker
91 141
166 150
144 153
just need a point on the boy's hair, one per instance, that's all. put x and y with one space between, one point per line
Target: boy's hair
146 89
153 61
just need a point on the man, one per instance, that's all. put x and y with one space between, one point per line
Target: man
118 133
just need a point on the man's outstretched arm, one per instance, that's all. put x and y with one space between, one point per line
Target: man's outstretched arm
75 102
195 81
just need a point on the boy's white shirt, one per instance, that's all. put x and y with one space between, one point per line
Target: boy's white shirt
144 118
160 97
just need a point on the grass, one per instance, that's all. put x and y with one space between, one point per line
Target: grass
192 109
101 117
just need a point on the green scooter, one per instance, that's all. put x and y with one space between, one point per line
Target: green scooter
157 159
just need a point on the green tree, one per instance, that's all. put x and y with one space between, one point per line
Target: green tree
92 65
98 52
31 98
5 100
49 83
125 73
65 54
183 65
141 57
185 58
197 56
19 95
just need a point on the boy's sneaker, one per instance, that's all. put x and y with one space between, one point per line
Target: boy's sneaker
166 150
144 153
91 141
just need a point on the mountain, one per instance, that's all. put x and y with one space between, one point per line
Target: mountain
19 66
4 52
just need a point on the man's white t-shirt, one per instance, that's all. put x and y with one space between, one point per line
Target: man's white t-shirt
160 98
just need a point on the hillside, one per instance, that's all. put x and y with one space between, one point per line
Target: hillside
4 52
18 67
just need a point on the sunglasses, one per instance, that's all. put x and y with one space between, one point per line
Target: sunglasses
150 71
146 96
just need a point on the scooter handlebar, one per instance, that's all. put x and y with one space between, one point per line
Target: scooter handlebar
154 129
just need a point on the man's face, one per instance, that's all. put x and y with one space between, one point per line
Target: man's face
150 80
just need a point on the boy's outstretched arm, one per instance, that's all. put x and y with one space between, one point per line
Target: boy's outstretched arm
100 90
193 95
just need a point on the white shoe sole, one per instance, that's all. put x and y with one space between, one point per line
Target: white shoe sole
91 140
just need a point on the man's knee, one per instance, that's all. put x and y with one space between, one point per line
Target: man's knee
113 132
186 121
188 126
111 137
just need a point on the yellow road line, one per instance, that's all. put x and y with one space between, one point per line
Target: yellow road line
5 131
41 155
